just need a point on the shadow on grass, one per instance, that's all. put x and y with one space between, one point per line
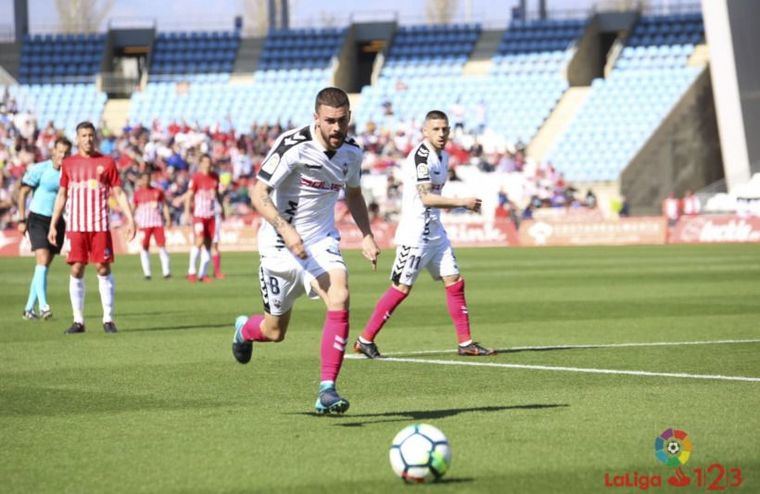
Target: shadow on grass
181 327
418 415
453 480
52 402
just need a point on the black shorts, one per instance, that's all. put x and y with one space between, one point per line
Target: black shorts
37 226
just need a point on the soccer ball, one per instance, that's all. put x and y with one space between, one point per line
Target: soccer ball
420 453
674 448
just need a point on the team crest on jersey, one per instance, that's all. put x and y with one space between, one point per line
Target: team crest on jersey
99 170
345 168
423 171
269 166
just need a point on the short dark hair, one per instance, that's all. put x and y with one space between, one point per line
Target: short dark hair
436 115
85 125
62 140
333 97
205 155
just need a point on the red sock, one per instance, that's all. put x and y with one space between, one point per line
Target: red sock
334 337
458 310
216 259
252 329
391 299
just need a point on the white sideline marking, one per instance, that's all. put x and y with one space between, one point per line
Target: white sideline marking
591 345
573 369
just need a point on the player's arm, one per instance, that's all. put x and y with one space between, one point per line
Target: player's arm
123 202
430 200
358 208
60 203
189 199
167 215
263 203
23 191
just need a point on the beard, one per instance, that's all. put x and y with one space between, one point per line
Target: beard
329 138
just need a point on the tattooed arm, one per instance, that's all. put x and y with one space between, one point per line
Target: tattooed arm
263 203
431 200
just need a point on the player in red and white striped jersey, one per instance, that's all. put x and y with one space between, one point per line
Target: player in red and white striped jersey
87 180
151 214
202 193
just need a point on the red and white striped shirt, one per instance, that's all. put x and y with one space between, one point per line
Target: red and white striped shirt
204 188
88 181
149 207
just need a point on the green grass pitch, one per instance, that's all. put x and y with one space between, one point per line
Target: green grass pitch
163 407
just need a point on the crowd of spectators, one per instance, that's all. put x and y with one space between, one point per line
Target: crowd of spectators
172 152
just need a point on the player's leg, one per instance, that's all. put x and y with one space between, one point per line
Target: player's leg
280 286
216 260
216 255
76 295
332 287
44 257
444 267
78 258
196 249
38 227
406 268
38 282
163 254
205 260
102 256
144 254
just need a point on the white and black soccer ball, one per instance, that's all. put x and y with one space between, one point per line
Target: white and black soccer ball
420 453
673 447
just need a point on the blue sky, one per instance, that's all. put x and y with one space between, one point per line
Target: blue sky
218 14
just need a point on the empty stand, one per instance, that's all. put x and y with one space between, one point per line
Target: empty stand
64 104
194 55
623 111
525 82
51 58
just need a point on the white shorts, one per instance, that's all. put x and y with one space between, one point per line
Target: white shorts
284 277
437 257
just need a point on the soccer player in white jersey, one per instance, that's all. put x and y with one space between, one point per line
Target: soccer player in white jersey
296 192
422 241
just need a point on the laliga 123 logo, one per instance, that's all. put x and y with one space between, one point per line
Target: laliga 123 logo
673 448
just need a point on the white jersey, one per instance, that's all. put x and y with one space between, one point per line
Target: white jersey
306 179
420 225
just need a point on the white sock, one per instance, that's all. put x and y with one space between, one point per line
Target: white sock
193 259
164 256
145 261
76 293
205 259
106 286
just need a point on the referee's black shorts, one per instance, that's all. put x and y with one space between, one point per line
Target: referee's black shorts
37 226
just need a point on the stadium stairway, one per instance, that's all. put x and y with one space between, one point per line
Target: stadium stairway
700 57
480 61
10 59
248 55
558 121
116 113
682 153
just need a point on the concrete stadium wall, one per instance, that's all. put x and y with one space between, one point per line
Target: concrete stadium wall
10 57
683 153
